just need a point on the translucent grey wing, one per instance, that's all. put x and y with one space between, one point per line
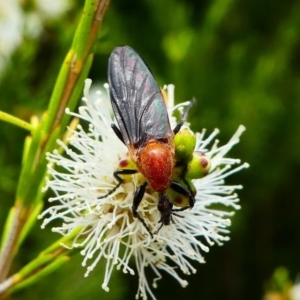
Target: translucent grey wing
136 99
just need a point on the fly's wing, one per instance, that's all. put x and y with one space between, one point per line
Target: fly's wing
136 99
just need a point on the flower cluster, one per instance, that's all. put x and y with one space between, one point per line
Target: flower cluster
19 20
107 229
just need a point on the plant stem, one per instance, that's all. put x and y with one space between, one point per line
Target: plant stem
15 121
8 250
78 59
76 63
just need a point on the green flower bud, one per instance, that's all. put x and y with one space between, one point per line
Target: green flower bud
185 142
198 166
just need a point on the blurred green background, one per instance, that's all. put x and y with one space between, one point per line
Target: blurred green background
241 60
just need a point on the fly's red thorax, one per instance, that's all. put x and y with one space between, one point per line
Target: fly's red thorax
156 162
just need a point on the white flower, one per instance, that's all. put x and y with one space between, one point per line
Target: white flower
42 12
108 229
16 23
295 290
11 22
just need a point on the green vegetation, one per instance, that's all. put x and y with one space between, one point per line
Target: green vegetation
241 61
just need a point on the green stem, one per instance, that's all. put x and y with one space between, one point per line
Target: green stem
8 249
66 92
45 263
15 121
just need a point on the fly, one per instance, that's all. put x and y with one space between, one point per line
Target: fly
144 127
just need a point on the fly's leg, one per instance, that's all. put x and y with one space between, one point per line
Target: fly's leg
183 119
179 209
179 188
117 173
139 193
165 206
190 190
138 196
120 180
